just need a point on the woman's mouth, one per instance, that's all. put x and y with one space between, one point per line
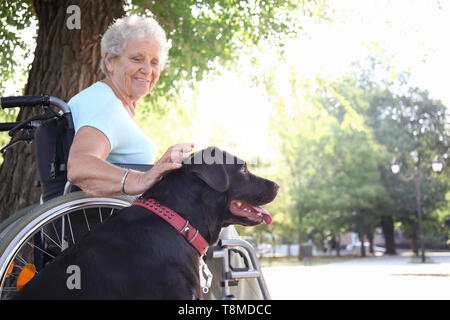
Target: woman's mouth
142 81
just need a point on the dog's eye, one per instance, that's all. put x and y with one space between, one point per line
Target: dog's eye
244 169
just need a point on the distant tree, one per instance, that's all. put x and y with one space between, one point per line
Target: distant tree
414 128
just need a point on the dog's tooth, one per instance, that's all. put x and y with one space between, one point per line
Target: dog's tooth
239 204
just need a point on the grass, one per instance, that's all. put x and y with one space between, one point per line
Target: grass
293 261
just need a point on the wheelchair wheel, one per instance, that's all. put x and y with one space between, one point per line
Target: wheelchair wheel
41 232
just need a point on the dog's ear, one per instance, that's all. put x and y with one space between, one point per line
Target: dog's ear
213 173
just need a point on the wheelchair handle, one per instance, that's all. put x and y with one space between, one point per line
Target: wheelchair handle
33 101
24 101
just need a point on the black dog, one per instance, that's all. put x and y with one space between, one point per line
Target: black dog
137 255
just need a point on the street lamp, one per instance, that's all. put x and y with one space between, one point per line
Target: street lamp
437 167
395 167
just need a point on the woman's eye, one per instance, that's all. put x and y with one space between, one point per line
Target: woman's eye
137 59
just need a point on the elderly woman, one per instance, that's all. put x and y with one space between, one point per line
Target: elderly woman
134 51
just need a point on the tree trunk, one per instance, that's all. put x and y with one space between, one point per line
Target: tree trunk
361 239
371 249
387 224
301 235
338 245
66 60
414 247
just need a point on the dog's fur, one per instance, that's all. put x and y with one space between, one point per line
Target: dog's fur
137 255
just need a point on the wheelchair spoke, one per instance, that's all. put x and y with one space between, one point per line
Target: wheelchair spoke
50 238
14 275
22 260
70 228
86 219
64 244
56 233
20 268
100 214
42 250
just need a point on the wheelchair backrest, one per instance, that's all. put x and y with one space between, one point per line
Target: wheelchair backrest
53 139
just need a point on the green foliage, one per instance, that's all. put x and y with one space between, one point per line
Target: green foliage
15 16
349 187
7 115
206 34
337 139
414 128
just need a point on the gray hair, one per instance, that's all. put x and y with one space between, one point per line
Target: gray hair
116 37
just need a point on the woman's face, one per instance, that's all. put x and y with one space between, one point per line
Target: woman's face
135 72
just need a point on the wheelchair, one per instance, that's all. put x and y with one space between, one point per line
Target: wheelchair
32 237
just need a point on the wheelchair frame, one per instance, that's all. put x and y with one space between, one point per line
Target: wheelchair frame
17 230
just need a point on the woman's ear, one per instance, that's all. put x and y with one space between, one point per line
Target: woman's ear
108 63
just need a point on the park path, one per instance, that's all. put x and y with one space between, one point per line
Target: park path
385 277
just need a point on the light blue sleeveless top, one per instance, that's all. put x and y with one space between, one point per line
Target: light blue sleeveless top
97 106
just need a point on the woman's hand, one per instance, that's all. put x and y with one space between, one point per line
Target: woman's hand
171 160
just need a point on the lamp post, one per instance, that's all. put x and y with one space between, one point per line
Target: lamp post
437 166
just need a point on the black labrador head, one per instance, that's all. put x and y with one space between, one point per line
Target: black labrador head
215 189
246 192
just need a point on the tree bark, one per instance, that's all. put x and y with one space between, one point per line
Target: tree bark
338 245
387 224
361 239
65 62
414 247
301 236
371 249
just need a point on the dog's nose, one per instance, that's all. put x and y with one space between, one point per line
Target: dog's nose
276 187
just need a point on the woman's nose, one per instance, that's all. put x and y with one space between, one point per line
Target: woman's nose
146 67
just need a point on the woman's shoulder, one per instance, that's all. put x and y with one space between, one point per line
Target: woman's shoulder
98 94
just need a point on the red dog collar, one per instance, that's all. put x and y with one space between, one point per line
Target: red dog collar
187 231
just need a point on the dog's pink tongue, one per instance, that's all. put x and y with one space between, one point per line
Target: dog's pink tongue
265 215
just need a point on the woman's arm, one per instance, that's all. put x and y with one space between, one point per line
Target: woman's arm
88 169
